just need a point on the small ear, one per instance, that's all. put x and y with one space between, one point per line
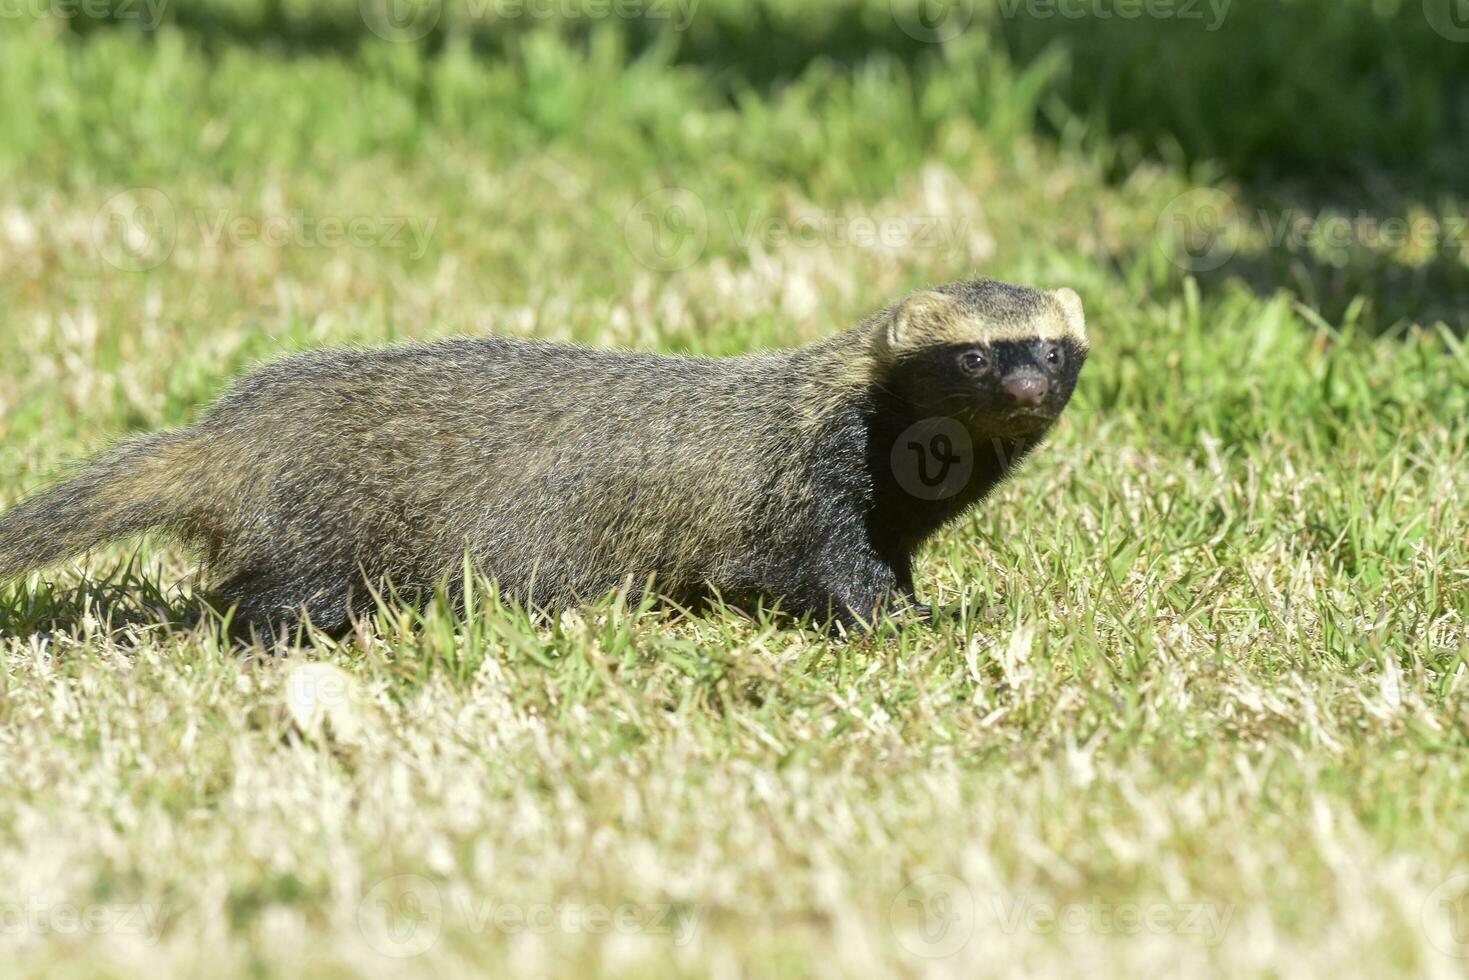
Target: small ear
916 318
1071 308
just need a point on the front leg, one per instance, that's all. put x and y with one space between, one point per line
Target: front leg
905 603
850 586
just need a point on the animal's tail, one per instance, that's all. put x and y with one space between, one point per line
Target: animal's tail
138 486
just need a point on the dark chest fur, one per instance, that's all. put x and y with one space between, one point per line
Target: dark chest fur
886 479
926 472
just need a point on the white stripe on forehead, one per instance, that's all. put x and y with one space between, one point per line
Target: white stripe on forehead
984 312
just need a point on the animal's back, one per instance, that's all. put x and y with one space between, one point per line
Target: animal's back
564 472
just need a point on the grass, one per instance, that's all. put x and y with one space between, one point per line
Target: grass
1201 708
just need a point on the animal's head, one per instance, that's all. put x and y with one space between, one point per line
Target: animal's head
1001 359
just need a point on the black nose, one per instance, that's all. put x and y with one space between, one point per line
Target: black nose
1027 389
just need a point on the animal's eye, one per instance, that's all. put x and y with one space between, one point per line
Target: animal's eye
973 361
1053 355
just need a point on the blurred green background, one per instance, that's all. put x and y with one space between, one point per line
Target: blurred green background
1266 89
